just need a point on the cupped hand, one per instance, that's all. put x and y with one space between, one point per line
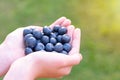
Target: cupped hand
55 65
43 64
13 45
14 41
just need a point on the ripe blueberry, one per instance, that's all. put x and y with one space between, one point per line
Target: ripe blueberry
28 50
67 47
39 47
47 30
62 30
56 28
53 41
59 38
37 34
65 38
27 36
27 31
53 35
58 47
39 41
56 33
45 39
30 42
49 47
64 52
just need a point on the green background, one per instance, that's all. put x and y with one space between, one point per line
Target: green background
99 21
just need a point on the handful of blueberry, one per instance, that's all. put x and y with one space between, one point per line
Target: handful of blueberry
48 39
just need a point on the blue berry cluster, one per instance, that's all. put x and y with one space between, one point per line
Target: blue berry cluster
48 39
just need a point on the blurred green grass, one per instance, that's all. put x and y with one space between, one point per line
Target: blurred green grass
99 23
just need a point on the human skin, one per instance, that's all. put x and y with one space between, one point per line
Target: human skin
12 47
43 64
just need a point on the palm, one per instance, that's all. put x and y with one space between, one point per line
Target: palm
59 64
15 43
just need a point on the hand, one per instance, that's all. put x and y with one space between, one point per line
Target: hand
47 64
55 65
13 48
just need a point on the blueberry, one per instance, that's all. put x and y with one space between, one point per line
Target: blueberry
39 41
47 30
27 31
56 28
30 42
59 38
65 38
58 47
56 33
67 47
27 36
53 41
64 52
37 34
45 39
28 50
62 31
53 35
49 47
39 47
49 40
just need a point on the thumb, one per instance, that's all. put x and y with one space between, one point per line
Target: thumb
72 60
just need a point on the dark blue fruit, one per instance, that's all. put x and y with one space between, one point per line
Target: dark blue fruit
56 28
64 52
53 41
28 36
53 35
67 47
56 33
62 30
45 39
39 47
30 42
28 50
59 38
48 39
37 34
47 30
58 47
49 47
27 31
65 38
39 41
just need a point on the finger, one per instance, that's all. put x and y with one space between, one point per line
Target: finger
66 23
70 31
71 60
58 22
76 41
65 71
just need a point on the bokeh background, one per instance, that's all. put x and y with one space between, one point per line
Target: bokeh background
99 21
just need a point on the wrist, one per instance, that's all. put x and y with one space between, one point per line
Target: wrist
5 61
12 53
14 45
20 70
